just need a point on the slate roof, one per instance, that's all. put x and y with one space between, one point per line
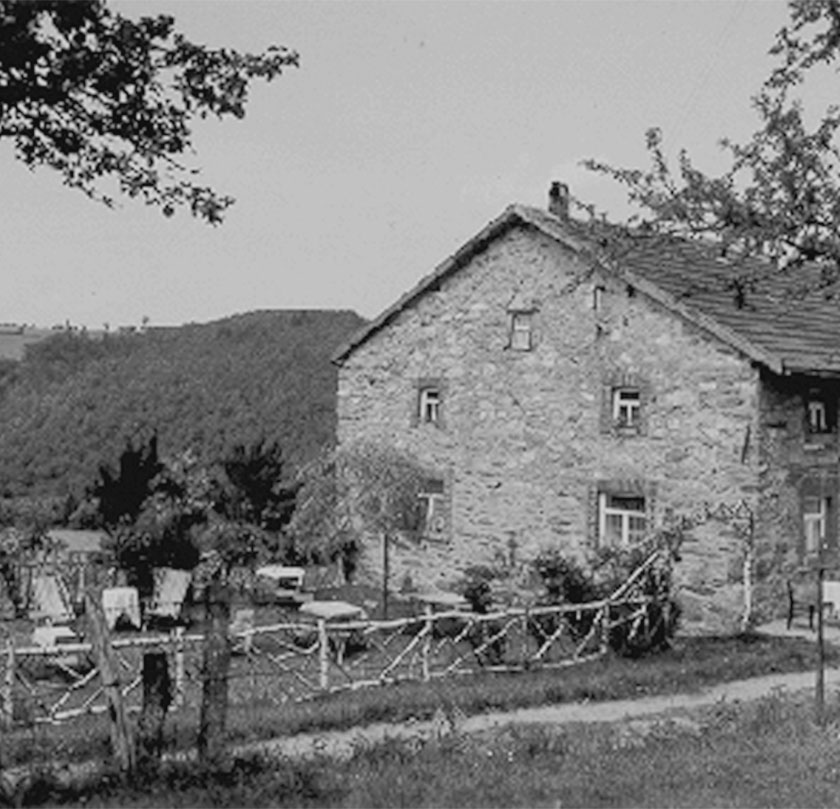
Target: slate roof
775 327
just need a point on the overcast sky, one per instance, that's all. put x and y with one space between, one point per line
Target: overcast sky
407 127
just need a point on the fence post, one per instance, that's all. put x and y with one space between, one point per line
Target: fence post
323 655
101 642
180 669
427 642
605 628
9 686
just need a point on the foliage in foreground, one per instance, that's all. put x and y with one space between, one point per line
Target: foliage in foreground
98 96
779 198
768 753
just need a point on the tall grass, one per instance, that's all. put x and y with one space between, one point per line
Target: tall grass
768 753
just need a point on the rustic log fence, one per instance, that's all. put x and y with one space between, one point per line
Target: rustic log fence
301 659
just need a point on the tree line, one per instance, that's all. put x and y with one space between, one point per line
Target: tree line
74 401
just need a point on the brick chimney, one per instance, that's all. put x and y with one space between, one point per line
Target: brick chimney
558 200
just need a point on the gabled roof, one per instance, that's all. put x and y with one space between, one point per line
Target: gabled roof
785 333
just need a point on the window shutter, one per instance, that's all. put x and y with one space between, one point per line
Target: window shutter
831 521
606 417
592 516
644 406
414 413
650 506
448 486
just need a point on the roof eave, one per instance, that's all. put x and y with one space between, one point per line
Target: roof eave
701 320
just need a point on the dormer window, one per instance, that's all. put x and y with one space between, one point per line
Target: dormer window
521 331
626 407
429 403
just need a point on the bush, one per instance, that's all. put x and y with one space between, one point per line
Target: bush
479 595
632 633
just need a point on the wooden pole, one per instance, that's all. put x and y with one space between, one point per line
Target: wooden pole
215 668
97 626
157 697
323 655
180 668
9 686
427 642
820 688
605 628
386 572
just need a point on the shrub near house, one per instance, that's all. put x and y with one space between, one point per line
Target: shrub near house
558 401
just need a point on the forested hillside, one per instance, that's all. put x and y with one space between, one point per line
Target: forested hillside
72 404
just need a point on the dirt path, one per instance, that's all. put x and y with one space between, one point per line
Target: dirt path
342 744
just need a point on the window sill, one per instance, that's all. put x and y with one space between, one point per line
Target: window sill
818 446
624 431
436 539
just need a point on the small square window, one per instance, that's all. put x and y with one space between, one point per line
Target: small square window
622 519
432 502
521 331
626 407
429 404
820 413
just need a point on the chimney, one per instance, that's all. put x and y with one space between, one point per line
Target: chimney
558 200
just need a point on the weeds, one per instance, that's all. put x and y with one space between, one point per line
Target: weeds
763 753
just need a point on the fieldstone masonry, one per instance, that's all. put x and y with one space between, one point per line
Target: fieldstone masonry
528 440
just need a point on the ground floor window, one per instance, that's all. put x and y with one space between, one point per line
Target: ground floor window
432 502
815 517
622 519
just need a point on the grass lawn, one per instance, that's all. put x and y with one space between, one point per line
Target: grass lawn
768 753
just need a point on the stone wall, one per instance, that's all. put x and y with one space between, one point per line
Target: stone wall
527 437
793 463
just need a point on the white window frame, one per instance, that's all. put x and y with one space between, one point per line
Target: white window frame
627 406
433 509
814 522
521 331
429 404
607 509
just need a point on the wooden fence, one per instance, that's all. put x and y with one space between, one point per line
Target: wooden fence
301 659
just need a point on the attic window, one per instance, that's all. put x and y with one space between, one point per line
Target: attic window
521 331
429 405
820 413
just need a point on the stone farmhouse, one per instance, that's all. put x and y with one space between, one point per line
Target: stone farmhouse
559 399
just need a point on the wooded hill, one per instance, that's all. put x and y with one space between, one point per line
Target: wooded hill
74 402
